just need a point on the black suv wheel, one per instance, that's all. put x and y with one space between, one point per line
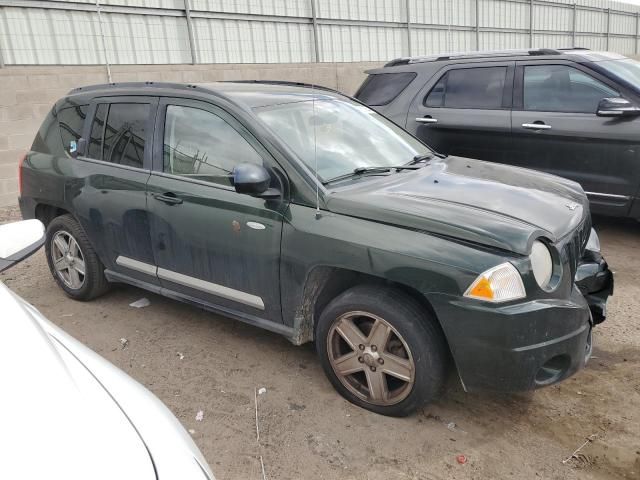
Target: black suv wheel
381 350
72 260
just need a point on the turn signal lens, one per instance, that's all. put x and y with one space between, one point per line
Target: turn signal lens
498 284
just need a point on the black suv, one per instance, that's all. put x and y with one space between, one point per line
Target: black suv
573 113
304 212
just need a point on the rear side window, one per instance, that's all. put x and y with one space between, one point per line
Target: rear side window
383 88
70 121
118 133
477 88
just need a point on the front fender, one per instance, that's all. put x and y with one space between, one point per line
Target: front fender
425 263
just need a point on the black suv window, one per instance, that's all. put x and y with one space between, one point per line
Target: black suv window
382 88
200 144
560 88
118 133
479 88
71 121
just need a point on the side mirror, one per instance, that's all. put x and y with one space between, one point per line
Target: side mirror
616 107
252 179
19 240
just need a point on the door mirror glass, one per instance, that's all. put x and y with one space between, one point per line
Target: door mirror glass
19 240
616 107
252 179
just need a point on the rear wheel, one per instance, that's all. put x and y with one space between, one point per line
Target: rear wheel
72 260
381 350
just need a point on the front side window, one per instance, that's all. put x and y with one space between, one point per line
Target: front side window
70 122
202 145
118 133
560 88
476 88
340 135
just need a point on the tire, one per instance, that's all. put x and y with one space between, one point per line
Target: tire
415 349
87 286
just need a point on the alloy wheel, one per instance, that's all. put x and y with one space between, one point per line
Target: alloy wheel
68 260
371 358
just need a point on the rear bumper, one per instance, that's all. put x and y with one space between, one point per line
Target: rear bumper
27 207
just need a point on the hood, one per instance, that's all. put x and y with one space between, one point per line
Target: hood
57 419
487 203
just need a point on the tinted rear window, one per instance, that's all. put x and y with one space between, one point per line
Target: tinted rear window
71 121
383 88
480 88
118 133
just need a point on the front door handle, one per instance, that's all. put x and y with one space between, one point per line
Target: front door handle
536 126
426 120
168 198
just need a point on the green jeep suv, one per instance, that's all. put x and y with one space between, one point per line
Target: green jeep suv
304 212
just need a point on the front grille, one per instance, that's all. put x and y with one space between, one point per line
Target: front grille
573 245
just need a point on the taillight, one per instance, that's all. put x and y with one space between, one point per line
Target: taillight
20 166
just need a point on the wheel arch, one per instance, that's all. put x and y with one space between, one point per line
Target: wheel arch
46 212
324 283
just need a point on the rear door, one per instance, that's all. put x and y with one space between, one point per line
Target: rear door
465 110
210 243
556 130
107 185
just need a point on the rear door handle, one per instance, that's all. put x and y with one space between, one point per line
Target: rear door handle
536 126
168 198
426 120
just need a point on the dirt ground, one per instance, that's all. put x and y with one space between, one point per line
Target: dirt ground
308 431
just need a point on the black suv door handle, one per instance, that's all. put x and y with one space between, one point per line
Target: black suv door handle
427 119
537 125
168 198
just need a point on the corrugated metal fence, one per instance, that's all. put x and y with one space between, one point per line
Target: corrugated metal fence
59 32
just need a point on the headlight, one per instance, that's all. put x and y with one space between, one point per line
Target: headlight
593 243
541 263
498 284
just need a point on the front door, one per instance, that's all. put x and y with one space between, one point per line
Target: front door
210 243
465 110
556 130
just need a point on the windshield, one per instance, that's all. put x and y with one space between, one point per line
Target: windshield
628 70
347 136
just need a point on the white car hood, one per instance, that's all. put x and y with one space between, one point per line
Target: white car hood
56 419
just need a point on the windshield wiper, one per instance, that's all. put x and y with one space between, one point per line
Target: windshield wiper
425 157
363 170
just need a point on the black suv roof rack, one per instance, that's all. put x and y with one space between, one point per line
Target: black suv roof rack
485 54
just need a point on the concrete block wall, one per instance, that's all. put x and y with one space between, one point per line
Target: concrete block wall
27 94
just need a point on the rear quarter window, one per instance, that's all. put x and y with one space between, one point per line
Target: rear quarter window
71 121
382 88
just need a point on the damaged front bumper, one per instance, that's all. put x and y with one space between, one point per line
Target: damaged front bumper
594 279
529 344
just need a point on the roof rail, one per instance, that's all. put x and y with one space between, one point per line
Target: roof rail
285 82
485 54
104 86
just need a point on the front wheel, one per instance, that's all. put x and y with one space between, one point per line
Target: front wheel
381 350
